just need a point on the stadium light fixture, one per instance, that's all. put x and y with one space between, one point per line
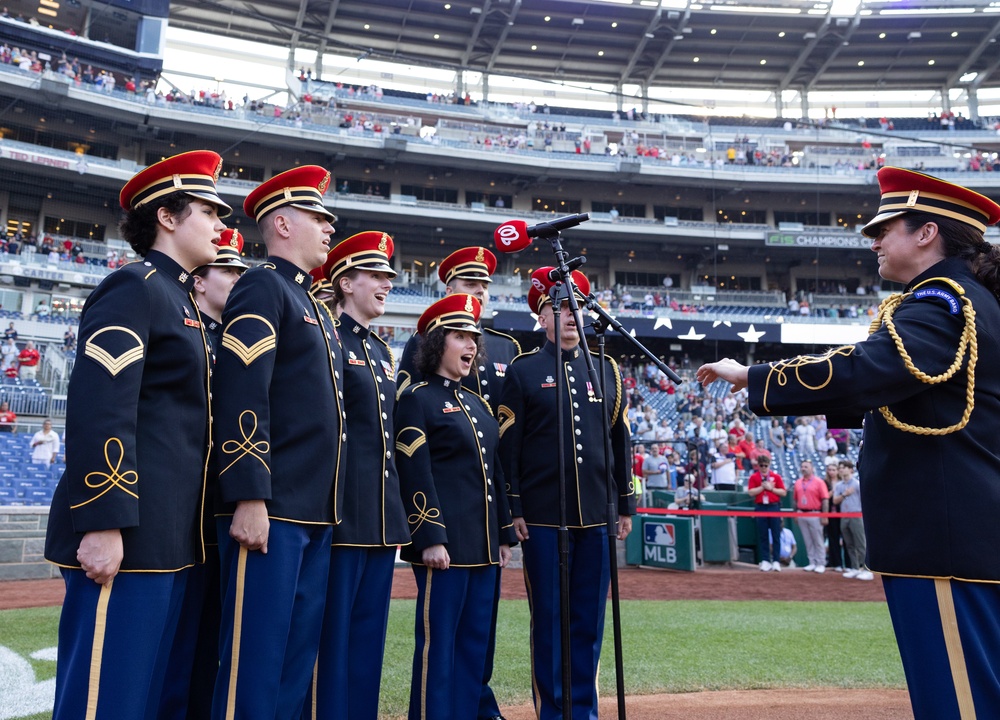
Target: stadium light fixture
910 12
755 9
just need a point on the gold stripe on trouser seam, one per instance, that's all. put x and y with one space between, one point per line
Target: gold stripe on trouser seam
97 650
314 688
536 698
234 659
953 643
427 646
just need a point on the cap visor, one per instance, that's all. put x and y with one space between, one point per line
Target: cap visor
316 208
467 327
238 264
224 210
871 229
474 278
374 268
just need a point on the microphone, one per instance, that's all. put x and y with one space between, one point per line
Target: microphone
575 263
515 235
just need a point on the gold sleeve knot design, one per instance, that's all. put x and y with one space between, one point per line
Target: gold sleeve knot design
107 481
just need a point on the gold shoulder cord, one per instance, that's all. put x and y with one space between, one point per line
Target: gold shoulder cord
967 341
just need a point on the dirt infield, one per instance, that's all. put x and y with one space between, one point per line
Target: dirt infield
739 582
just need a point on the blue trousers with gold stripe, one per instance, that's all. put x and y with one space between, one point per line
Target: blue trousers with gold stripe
195 655
488 706
948 633
349 669
452 631
589 579
114 644
272 614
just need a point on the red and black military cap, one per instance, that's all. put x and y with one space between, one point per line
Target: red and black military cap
194 173
230 251
471 263
368 250
457 311
906 191
538 293
301 187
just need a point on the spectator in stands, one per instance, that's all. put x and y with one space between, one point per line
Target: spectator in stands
776 436
638 458
45 445
847 494
723 467
805 435
834 551
811 496
767 489
10 333
42 310
8 354
842 437
687 495
27 361
8 418
654 473
69 340
825 443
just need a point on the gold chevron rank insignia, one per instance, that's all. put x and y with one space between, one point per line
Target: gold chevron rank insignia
248 337
505 418
114 348
409 440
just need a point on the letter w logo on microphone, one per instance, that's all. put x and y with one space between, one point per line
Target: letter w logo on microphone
507 235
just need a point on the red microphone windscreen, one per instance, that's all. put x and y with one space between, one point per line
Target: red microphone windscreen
512 236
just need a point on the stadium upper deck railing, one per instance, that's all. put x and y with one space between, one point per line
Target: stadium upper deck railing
711 165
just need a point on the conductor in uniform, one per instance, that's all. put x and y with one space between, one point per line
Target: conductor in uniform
372 520
470 270
125 524
927 381
279 436
453 489
529 440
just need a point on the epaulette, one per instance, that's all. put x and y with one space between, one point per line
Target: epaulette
505 336
525 354
929 289
411 388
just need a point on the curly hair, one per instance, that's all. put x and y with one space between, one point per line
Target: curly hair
966 242
430 350
138 226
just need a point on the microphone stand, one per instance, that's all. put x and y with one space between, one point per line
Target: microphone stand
600 325
565 281
611 521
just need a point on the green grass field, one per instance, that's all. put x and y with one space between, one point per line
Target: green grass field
676 646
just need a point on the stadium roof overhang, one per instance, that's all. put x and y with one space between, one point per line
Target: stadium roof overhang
770 45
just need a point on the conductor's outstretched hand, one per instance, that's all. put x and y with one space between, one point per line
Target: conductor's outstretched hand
725 369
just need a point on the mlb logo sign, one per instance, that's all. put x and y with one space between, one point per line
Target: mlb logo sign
659 533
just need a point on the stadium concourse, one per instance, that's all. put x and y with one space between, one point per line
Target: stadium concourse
735 582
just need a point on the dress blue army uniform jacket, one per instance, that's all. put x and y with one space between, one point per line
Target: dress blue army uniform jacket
372 512
931 502
527 418
447 445
279 389
137 424
488 374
